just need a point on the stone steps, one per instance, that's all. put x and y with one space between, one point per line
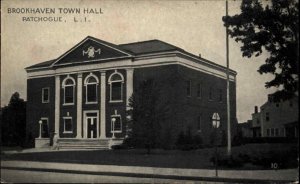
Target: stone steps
82 144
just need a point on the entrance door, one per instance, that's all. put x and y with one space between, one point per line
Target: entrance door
91 125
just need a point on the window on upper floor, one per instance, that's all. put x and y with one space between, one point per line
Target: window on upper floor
210 95
188 87
91 83
199 90
220 95
267 116
45 95
69 90
116 81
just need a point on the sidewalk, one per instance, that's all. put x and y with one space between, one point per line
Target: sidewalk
288 175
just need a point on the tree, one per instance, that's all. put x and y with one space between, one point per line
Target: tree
146 113
273 27
13 121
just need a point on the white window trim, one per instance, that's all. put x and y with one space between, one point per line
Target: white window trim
47 119
64 85
116 131
86 88
65 124
110 82
43 101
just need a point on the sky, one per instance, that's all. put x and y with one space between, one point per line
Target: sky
195 26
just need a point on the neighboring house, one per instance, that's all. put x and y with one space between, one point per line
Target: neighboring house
279 119
82 96
276 119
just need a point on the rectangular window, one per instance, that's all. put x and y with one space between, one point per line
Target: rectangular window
91 93
210 93
199 90
116 91
272 132
276 132
267 116
68 125
268 132
45 128
188 88
199 118
220 95
116 124
69 94
45 95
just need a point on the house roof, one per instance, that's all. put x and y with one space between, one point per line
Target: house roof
135 49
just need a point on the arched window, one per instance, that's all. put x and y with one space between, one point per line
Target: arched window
116 81
69 87
91 83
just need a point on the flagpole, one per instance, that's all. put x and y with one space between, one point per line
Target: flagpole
227 90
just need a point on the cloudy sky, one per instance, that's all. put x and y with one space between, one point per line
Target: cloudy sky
195 26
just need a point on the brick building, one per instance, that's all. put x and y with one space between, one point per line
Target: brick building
82 96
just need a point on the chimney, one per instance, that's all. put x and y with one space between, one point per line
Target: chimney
255 109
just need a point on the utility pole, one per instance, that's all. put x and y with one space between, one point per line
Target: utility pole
227 90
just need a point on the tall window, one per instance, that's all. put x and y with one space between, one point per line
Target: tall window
188 84
267 116
199 90
116 81
210 95
69 87
199 119
45 95
91 83
68 125
220 95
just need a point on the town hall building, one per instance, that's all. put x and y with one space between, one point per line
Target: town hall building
79 100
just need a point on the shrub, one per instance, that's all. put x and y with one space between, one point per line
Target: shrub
188 142
231 162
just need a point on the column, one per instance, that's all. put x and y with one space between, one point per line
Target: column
79 106
129 91
57 105
129 85
102 105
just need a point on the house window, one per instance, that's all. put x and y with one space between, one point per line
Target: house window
45 95
272 132
91 83
69 88
276 132
188 84
220 95
199 119
116 123
210 93
267 116
45 128
199 90
268 132
116 81
68 125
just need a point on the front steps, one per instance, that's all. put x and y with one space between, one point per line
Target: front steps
82 144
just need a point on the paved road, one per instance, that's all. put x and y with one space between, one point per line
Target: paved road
21 176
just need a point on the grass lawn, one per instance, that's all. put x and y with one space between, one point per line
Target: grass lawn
196 159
